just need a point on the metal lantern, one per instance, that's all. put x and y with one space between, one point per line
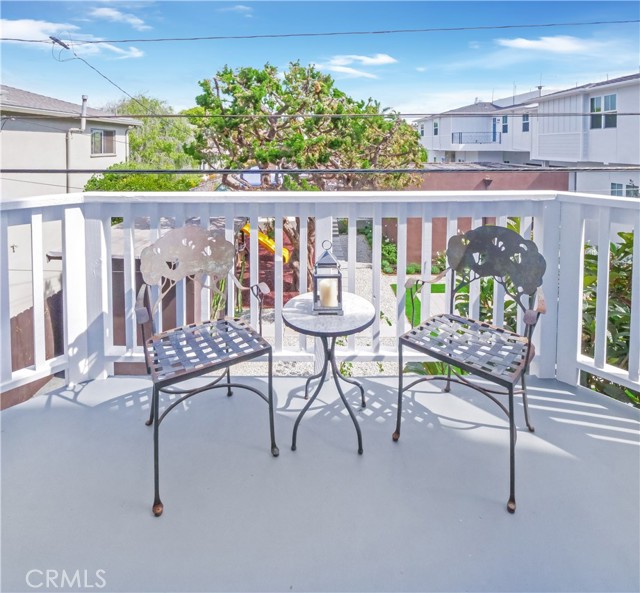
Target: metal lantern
327 284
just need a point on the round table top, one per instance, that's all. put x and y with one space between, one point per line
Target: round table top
358 315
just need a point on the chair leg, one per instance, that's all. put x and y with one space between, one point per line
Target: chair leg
511 505
274 448
447 387
396 434
154 395
158 507
229 391
526 405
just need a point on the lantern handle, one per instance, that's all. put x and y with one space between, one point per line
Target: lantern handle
330 245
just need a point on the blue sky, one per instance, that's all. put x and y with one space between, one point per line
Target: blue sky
411 72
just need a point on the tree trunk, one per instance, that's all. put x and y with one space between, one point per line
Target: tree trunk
292 230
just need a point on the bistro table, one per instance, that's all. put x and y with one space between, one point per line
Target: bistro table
358 314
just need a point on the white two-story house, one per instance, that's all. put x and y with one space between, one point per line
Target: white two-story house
39 132
593 126
590 126
498 131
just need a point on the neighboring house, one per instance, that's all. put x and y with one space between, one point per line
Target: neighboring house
605 130
593 125
499 131
39 132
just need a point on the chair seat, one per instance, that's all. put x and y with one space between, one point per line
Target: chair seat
475 346
198 348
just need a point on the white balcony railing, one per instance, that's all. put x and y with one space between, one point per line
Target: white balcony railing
89 247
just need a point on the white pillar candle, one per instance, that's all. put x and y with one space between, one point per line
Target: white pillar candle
328 290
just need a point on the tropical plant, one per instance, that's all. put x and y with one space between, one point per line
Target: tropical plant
618 314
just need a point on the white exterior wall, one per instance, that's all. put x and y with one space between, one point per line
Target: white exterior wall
569 138
41 144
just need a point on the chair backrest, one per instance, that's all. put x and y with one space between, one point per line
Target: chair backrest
186 252
498 252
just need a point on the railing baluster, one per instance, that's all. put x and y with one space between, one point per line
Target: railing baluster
39 337
602 296
634 322
5 314
376 271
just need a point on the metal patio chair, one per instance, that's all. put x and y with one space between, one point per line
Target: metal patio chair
195 349
492 353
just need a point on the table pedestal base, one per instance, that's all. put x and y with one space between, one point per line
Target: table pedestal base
330 360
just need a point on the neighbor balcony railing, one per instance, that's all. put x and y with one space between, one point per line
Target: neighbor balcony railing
90 246
476 137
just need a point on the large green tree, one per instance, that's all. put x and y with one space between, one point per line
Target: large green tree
159 142
299 119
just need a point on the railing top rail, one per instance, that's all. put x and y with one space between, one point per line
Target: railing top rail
598 200
296 197
41 201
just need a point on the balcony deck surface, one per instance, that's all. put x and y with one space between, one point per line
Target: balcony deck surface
425 514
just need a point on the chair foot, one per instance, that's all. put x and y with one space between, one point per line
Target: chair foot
531 428
395 436
149 422
511 506
293 447
360 451
275 451
158 507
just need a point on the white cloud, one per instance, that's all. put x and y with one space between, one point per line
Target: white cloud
374 60
352 72
421 68
563 44
343 64
33 29
111 14
239 9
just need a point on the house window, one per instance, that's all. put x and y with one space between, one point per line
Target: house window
610 115
103 142
525 123
505 124
608 119
435 128
421 129
632 190
617 189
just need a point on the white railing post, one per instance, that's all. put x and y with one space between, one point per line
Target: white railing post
547 238
570 292
98 271
5 314
74 282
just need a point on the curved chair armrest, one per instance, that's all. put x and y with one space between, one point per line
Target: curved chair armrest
142 312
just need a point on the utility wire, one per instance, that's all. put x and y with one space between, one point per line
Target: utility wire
65 46
438 168
28 116
336 33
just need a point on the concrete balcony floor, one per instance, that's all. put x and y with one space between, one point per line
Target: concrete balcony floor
425 514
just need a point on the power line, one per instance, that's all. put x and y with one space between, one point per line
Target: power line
336 33
437 168
57 41
269 116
